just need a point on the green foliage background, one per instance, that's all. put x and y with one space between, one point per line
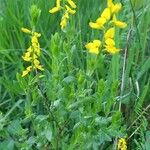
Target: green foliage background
75 102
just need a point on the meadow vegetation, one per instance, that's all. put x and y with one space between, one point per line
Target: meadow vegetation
71 82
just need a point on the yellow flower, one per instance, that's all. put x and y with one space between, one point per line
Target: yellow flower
71 11
122 144
69 7
54 10
58 3
64 20
110 42
34 39
27 56
71 3
63 23
111 49
101 21
66 15
37 64
106 14
109 3
93 47
30 49
28 69
37 34
25 30
116 8
95 25
110 33
118 23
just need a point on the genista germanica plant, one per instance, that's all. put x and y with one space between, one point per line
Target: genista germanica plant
107 22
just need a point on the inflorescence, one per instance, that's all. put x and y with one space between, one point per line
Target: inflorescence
122 144
107 22
68 9
32 54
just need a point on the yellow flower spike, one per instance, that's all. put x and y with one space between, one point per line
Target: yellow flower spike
116 8
110 33
54 10
28 69
122 144
71 3
110 42
32 54
93 47
71 11
118 23
106 14
25 30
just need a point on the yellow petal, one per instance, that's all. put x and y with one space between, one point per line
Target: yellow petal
110 42
27 56
94 50
93 47
95 25
109 3
24 73
63 23
112 49
97 43
116 8
66 15
30 49
89 45
37 34
40 67
106 14
110 33
54 10
34 39
101 21
36 62
120 24
25 30
71 3
58 3
28 69
71 11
